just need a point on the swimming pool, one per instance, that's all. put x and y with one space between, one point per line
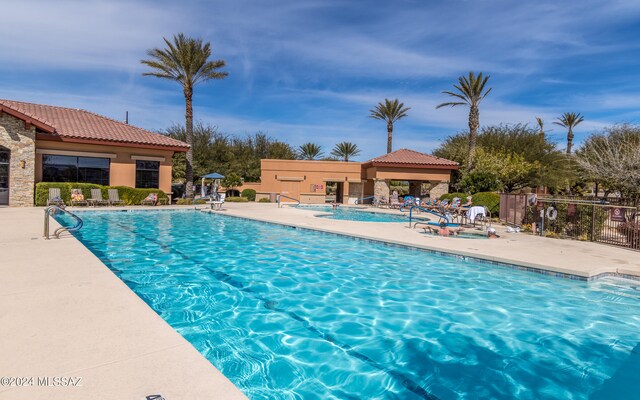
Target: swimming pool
293 314
356 214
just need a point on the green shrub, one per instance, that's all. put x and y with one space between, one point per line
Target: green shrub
264 200
249 194
133 196
187 202
130 196
236 199
488 199
451 196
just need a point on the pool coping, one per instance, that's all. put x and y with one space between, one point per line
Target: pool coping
504 262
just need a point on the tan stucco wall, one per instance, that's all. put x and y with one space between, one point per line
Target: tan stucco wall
19 138
294 178
123 167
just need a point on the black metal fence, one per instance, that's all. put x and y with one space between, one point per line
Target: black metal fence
612 221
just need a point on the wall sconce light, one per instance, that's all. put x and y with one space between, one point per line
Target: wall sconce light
23 164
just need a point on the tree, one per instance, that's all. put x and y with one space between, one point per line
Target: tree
345 150
309 151
505 171
470 93
569 120
612 157
214 151
389 111
186 61
540 123
552 169
231 181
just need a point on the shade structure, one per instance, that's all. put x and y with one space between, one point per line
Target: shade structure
213 175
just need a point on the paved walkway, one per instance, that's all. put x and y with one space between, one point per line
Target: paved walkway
65 314
565 256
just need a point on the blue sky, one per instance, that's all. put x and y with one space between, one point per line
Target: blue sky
311 70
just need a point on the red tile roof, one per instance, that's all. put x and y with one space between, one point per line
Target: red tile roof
73 124
411 158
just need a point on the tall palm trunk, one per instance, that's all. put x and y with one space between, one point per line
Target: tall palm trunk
389 136
474 124
188 97
569 141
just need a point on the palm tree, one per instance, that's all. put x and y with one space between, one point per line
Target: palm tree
309 151
470 93
186 61
569 120
345 150
389 111
540 123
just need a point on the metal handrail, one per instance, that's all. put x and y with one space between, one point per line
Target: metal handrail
441 216
280 196
57 232
366 198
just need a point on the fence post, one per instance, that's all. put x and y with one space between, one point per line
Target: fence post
593 223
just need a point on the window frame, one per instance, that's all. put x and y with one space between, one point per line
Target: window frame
143 182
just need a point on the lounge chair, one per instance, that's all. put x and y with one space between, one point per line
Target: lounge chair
77 198
96 198
217 204
150 200
114 198
55 199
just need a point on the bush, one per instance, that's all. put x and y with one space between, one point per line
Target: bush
236 199
187 202
249 194
451 196
130 196
264 200
487 199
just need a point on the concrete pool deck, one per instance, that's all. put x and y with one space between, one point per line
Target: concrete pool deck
63 313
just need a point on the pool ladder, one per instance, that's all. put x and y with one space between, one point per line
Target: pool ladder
49 211
280 196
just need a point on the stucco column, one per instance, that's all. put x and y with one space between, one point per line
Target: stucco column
381 190
439 189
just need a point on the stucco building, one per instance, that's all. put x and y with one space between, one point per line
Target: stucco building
308 180
42 143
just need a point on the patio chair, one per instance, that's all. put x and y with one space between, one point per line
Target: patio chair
479 214
55 199
217 204
77 198
150 200
96 198
114 198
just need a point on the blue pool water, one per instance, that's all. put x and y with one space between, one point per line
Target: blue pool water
295 314
355 214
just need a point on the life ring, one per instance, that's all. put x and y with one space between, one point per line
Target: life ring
552 213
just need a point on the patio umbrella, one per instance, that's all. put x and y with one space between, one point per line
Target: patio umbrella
216 177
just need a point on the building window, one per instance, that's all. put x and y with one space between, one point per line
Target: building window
75 169
147 174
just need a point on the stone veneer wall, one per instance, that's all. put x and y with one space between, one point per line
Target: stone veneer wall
381 190
21 141
438 190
